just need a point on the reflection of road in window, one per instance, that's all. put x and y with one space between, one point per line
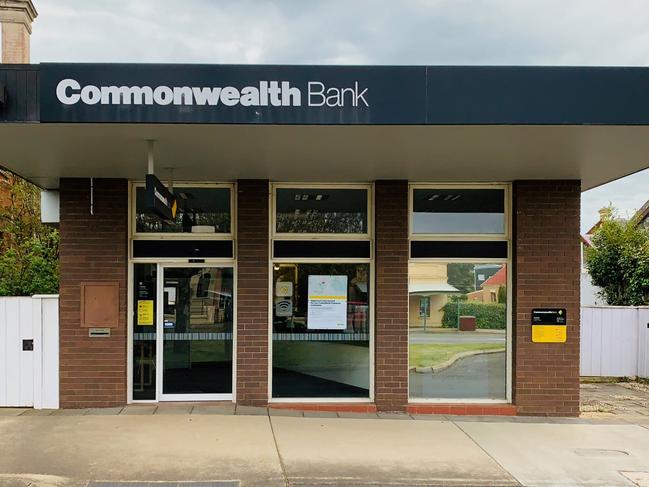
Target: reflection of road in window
458 330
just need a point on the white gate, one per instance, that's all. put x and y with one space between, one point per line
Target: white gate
29 352
614 341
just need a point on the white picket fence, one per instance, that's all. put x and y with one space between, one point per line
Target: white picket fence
614 341
29 378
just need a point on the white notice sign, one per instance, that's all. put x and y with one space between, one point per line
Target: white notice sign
327 308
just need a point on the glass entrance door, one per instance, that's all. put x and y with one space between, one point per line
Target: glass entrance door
195 323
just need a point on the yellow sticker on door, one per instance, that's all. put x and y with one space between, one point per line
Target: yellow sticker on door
549 333
145 312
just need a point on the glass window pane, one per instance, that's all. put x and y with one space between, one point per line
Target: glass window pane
321 327
323 210
144 331
458 330
458 211
198 317
200 210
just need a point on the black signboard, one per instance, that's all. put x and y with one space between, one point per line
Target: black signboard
549 316
341 95
159 199
232 94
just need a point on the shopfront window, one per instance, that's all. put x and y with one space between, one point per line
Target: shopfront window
458 330
321 210
201 210
321 330
458 211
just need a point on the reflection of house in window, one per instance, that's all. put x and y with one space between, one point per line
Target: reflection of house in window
428 281
490 289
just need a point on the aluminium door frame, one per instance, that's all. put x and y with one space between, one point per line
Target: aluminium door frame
160 395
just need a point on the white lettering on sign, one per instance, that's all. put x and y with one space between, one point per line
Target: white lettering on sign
160 197
268 93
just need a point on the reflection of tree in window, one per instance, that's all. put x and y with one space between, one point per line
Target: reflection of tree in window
208 207
460 276
321 210
314 221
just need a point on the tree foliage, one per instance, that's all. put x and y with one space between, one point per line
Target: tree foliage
461 276
618 261
29 250
502 294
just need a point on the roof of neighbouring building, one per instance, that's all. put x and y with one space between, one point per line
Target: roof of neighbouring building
498 279
642 214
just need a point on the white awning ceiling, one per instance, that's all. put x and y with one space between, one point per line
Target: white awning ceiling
44 153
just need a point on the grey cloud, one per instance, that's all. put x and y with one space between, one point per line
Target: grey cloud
373 32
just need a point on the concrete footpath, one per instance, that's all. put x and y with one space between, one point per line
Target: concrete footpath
215 446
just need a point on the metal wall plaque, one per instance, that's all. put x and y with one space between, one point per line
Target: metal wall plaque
549 325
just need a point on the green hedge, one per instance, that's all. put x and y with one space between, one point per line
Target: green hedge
491 316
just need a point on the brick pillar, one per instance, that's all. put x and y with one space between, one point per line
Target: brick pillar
391 311
93 248
252 292
546 274
16 17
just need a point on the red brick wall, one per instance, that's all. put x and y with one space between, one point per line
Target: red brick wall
252 292
546 274
93 248
391 316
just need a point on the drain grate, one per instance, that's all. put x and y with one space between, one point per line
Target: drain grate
210 483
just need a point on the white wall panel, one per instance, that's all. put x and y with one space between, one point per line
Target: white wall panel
643 343
50 353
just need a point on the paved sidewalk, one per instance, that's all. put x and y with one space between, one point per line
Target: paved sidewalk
249 446
627 401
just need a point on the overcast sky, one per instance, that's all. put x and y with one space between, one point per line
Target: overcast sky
534 32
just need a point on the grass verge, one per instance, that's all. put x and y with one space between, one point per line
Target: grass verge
433 354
